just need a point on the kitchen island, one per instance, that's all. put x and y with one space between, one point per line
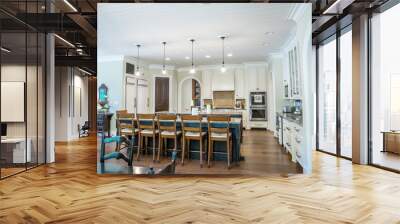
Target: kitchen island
235 127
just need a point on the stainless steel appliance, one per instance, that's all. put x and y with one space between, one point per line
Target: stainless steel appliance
258 106
258 99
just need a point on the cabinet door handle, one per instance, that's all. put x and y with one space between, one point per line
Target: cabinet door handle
298 155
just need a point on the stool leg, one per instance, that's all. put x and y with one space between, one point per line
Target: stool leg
209 152
201 151
154 147
160 146
183 150
228 149
139 147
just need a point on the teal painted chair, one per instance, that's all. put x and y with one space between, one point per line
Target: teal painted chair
116 154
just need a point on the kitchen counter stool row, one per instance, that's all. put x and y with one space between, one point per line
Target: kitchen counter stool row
163 127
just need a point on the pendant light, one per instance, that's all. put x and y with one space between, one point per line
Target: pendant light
223 69
192 70
138 61
164 72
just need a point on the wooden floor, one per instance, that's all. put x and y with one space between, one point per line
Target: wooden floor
262 153
70 191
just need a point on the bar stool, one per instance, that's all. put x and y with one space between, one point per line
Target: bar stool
147 129
218 130
192 130
167 130
126 126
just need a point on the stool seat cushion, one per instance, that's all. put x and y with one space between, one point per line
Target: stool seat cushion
194 134
170 133
220 135
150 132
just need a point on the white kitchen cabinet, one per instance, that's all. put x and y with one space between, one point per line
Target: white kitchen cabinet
292 139
256 76
206 89
240 84
293 79
261 78
223 81
251 78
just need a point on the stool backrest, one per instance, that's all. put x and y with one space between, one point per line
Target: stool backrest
125 121
146 121
191 123
167 122
222 121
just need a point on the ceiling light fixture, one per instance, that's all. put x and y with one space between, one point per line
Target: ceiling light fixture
64 40
163 68
229 55
223 69
70 5
137 73
5 50
192 70
208 56
187 57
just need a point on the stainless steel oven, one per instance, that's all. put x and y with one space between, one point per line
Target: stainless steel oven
258 114
258 99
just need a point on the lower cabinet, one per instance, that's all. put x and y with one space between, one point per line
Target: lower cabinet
292 139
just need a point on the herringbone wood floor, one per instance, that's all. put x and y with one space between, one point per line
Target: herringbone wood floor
70 191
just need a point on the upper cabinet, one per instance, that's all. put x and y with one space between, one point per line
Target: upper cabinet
240 84
292 84
256 76
223 81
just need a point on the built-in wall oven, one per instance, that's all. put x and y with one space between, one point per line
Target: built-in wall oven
258 106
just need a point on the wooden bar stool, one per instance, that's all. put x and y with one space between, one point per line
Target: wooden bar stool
126 126
147 129
218 130
167 130
192 130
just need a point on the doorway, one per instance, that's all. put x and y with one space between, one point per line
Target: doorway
161 94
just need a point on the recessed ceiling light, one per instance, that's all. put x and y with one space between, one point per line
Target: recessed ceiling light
229 55
208 56
187 57
167 59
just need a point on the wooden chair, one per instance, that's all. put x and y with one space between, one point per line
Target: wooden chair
147 129
219 133
126 126
167 130
192 132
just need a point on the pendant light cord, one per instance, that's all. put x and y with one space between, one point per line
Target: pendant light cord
138 57
192 52
164 56
223 51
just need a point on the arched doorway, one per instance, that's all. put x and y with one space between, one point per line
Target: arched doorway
189 94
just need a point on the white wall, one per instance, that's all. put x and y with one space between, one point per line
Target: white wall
69 81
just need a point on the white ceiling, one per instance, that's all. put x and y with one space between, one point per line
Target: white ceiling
122 26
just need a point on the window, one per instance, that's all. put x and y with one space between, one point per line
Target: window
346 94
327 97
385 89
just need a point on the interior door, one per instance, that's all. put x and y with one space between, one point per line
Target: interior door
142 96
161 94
130 95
